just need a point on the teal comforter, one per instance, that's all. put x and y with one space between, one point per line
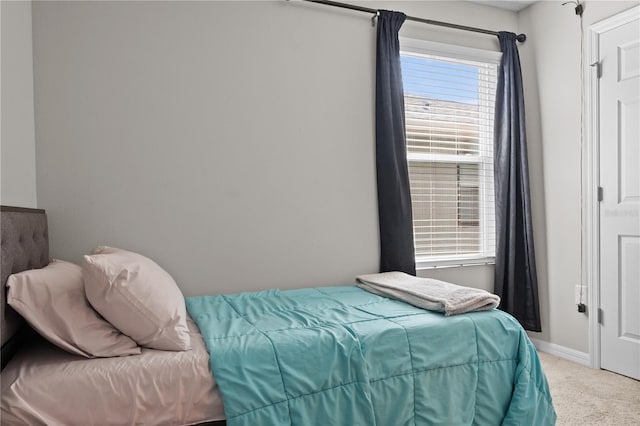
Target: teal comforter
343 356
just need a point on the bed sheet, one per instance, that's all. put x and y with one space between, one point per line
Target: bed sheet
43 384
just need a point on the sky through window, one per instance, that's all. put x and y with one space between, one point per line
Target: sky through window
439 80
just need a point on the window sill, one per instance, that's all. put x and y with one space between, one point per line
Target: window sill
435 263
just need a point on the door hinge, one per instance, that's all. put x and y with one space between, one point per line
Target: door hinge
600 194
598 65
600 315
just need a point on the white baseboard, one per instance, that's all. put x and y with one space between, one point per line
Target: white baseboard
562 352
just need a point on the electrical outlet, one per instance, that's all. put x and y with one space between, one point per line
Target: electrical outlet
577 296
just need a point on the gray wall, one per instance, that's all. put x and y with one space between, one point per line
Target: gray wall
17 140
551 72
230 141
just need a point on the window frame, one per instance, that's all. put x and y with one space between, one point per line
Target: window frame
415 46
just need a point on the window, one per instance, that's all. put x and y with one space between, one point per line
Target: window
449 96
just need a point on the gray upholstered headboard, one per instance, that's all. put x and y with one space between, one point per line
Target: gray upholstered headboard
25 245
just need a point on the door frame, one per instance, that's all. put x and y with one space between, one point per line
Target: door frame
590 178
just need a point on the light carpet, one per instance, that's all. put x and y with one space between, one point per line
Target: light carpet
585 396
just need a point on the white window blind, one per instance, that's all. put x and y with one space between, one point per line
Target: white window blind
449 108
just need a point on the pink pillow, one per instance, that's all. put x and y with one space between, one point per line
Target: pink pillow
138 297
53 301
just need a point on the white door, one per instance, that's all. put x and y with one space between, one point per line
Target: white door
619 145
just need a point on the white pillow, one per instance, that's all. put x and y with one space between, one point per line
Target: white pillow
138 297
53 301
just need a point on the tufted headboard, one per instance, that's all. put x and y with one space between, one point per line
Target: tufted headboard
25 245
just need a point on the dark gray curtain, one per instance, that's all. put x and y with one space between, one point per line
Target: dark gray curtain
394 200
516 280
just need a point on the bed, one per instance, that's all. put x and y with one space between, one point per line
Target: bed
43 384
329 355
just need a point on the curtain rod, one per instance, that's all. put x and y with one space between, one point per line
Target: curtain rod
520 37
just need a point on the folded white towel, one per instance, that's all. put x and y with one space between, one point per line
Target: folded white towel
428 293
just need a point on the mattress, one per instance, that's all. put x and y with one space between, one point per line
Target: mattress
46 385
